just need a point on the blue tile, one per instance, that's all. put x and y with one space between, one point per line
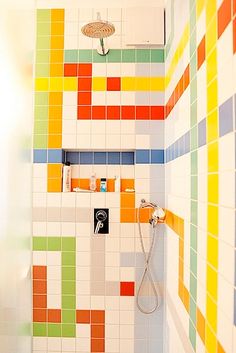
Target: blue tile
86 157
40 156
113 157
127 158
202 133
181 146
100 158
187 142
142 156
226 117
72 157
157 156
55 156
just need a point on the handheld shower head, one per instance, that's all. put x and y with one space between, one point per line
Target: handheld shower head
158 214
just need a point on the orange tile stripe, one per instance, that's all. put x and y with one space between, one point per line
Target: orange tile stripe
176 223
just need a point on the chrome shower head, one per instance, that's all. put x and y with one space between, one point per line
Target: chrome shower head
158 214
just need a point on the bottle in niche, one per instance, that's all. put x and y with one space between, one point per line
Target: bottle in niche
117 183
66 183
93 182
103 187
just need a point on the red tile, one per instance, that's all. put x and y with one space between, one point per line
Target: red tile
128 112
84 98
39 301
84 112
224 16
84 84
113 112
97 316
157 112
98 112
83 316
127 288
39 272
54 315
234 35
142 112
85 70
97 331
39 286
40 315
113 83
201 53
97 345
70 70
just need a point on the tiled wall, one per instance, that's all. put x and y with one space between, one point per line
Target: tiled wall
200 176
104 115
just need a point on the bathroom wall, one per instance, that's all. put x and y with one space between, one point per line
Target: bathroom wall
200 176
104 115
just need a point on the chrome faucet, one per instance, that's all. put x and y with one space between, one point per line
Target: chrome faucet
101 216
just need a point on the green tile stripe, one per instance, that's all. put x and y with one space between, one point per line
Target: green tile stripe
115 56
67 246
41 119
43 32
194 175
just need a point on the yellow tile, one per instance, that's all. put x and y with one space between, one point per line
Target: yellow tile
57 15
70 83
54 185
142 84
212 126
99 83
57 28
210 341
57 42
157 83
54 127
55 141
128 84
211 313
41 84
213 187
212 219
212 153
211 36
200 6
212 96
211 282
54 170
211 10
212 251
56 70
56 84
56 56
211 66
55 98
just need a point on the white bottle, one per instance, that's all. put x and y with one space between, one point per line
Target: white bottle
66 184
93 182
117 183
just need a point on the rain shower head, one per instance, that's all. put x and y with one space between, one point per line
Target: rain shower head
99 29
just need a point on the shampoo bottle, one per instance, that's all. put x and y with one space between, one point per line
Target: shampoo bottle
117 183
66 184
103 187
93 183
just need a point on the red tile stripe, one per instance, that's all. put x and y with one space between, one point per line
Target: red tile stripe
224 16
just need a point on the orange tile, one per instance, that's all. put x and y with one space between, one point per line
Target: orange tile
181 269
186 298
84 184
74 183
97 345
127 184
224 16
127 200
220 349
56 56
54 185
201 325
55 112
39 286
57 28
39 301
55 98
39 315
54 126
54 141
57 42
181 249
57 15
145 215
127 215
97 316
54 315
56 70
234 7
54 170
181 290
97 331
40 272
82 316
110 185
201 52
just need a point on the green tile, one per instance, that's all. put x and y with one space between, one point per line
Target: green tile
193 113
71 56
41 98
97 58
43 29
39 329
68 273
192 335
68 258
193 41
41 112
68 330
40 141
143 55
41 127
194 187
193 138
114 56
193 65
68 316
43 42
54 243
194 162
194 205
42 70
43 15
193 237
193 17
193 286
68 287
42 56
193 262
68 301
157 56
54 330
39 243
85 56
192 310
128 55
193 90
68 243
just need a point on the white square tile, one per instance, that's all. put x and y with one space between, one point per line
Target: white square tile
113 98
98 127
39 258
54 343
82 331
39 229
70 113
99 70
39 199
113 70
98 141
83 141
40 170
54 229
127 98
69 141
54 301
68 229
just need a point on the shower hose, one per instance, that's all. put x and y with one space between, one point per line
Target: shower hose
147 272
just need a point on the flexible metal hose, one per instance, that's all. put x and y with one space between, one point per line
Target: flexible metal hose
147 273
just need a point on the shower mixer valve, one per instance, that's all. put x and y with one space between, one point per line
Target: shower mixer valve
101 221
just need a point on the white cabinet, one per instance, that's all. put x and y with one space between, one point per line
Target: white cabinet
144 26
